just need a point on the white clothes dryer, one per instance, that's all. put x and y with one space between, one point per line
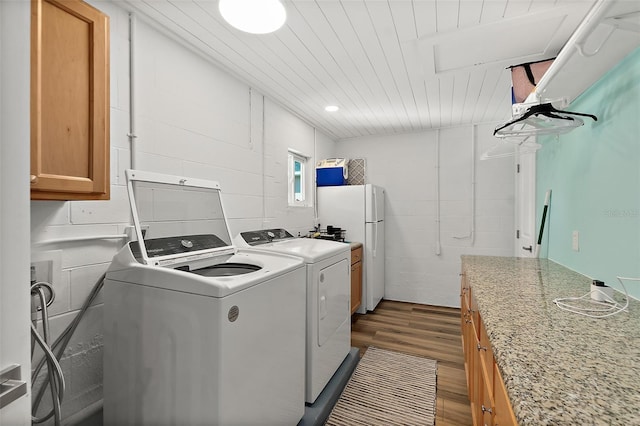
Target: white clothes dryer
328 284
197 331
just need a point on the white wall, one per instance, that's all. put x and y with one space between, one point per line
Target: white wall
14 201
281 132
405 165
193 120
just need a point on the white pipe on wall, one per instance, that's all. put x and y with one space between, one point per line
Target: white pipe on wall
437 168
132 106
474 136
82 238
264 168
472 232
314 186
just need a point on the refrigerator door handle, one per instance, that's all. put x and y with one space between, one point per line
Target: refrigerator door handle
375 205
375 239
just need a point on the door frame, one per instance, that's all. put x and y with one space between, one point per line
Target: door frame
15 24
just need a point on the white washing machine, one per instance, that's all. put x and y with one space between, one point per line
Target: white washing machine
197 331
328 294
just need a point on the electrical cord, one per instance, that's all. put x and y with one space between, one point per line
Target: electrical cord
586 306
55 376
36 308
59 345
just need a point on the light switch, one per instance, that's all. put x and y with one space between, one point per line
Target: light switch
575 241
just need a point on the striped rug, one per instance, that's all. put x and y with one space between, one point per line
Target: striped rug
388 388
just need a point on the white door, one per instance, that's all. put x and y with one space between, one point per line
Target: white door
14 202
525 243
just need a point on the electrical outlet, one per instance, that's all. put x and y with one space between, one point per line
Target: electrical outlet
575 241
130 231
42 271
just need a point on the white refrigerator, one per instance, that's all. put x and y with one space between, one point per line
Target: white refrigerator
359 209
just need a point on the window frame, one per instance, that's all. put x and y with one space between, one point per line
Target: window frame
294 156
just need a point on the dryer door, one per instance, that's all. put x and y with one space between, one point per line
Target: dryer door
333 298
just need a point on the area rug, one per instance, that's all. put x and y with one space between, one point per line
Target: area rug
388 388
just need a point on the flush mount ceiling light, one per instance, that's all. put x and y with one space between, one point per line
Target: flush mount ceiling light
331 108
253 16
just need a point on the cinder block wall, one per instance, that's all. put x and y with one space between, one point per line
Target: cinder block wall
405 165
195 120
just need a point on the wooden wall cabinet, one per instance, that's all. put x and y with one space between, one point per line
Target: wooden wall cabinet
356 278
69 101
489 401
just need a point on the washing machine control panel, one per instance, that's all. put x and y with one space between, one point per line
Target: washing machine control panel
176 245
265 236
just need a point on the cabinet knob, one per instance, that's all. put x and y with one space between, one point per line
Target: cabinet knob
485 409
483 348
34 179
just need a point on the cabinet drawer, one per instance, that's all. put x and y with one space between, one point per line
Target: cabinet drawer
356 255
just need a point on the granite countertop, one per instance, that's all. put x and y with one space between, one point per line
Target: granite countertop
559 368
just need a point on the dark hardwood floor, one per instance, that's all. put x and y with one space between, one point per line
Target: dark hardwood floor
422 330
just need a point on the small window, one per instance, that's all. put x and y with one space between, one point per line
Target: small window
297 180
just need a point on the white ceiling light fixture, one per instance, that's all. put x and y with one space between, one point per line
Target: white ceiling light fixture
331 108
253 16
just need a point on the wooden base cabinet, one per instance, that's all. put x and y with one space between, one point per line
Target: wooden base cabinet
356 278
489 401
69 101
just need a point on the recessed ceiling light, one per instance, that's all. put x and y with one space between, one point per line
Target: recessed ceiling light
253 16
331 108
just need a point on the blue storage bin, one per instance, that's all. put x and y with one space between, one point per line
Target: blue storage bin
332 172
330 176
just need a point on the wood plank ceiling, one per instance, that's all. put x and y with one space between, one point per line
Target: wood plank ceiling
392 66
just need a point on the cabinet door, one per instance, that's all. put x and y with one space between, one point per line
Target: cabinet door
69 101
467 343
477 391
486 354
503 413
472 355
486 406
356 286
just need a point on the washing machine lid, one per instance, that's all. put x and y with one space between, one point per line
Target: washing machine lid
278 240
177 218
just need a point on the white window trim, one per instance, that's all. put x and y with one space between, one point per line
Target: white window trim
292 156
